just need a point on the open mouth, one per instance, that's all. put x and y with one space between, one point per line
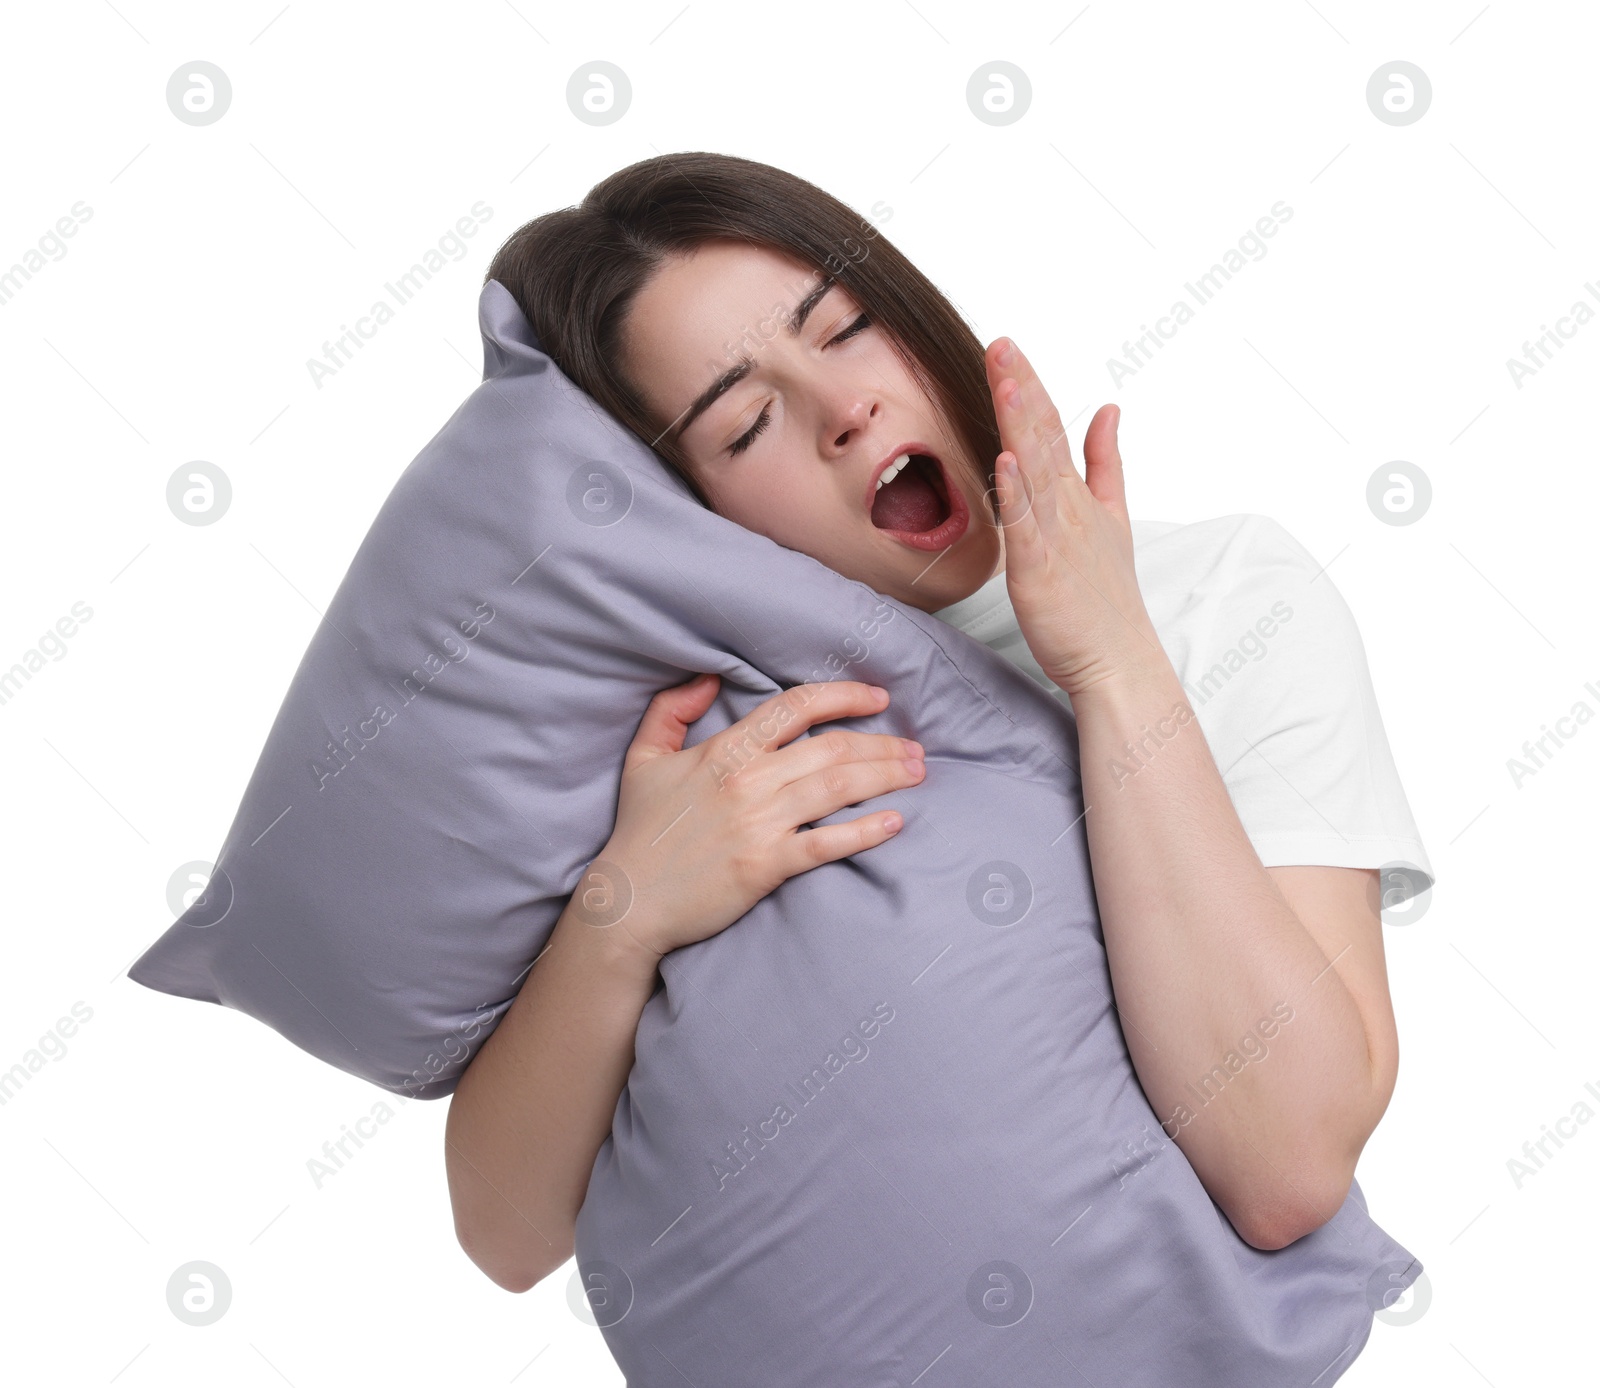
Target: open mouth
917 504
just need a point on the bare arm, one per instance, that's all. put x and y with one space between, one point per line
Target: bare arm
1208 949
535 1105
1208 955
702 834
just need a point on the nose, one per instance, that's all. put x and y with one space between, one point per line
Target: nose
851 412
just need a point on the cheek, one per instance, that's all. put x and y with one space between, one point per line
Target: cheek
884 365
796 512
780 513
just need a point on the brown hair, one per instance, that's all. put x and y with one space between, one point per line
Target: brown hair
575 272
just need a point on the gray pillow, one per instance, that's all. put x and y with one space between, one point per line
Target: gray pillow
882 1129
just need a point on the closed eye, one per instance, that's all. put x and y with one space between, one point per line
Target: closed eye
744 441
861 322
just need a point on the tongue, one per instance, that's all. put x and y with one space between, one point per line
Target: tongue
908 503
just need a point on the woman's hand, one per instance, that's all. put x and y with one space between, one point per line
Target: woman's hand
1068 544
704 833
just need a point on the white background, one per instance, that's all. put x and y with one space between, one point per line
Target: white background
219 258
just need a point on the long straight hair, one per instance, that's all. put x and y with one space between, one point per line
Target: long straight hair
575 273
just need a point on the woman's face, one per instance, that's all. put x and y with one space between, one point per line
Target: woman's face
789 407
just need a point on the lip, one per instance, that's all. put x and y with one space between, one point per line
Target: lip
941 536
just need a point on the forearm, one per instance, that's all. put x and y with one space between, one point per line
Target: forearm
1204 951
532 1110
535 1106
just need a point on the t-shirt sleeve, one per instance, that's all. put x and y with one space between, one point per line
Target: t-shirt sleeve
1282 690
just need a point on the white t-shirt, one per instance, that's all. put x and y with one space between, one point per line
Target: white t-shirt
1273 665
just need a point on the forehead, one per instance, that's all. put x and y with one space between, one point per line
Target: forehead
702 310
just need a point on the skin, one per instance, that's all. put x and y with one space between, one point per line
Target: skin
531 1111
1203 942
1201 939
835 412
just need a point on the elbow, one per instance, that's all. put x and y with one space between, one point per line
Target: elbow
514 1248
1269 1233
508 1278
1271 1225
515 1283
509 1282
500 1266
1322 1184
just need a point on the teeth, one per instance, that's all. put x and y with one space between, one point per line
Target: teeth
893 470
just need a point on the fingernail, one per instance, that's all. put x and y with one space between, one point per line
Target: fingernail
916 766
912 748
892 823
1005 356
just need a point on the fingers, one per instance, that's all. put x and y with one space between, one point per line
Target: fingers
1027 547
812 754
824 792
667 718
782 718
830 842
1102 459
1030 425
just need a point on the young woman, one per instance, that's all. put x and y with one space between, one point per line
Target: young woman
810 384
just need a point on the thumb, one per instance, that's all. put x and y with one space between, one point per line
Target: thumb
667 718
1102 459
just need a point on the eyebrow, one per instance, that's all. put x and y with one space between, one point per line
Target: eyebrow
736 373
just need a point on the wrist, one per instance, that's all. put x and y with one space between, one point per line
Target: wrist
605 912
614 949
1139 667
